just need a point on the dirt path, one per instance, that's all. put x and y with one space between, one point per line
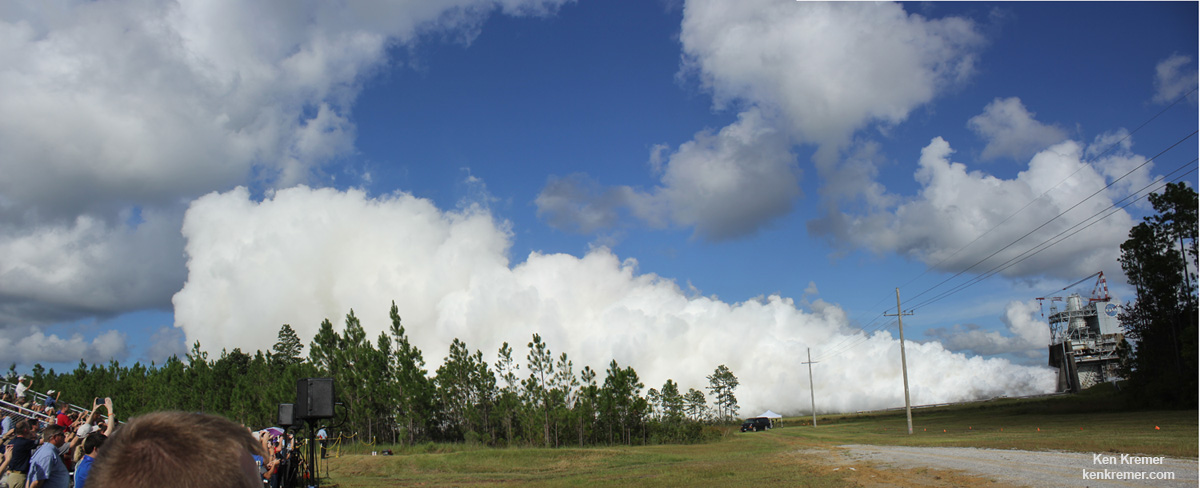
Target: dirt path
877 466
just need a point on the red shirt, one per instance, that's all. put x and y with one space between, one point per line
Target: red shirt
63 420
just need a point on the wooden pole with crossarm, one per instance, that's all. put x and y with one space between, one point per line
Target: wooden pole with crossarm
811 389
903 362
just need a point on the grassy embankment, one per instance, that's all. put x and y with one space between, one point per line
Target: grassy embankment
1093 421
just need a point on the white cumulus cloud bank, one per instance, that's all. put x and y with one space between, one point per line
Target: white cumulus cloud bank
309 254
797 73
112 109
960 218
29 345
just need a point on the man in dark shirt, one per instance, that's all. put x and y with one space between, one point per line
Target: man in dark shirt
17 453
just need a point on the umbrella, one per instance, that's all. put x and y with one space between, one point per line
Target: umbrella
273 431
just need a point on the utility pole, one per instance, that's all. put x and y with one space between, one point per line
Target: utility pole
903 362
811 389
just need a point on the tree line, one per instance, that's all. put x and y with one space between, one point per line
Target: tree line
1159 259
389 394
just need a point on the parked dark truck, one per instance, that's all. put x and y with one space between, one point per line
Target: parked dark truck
756 424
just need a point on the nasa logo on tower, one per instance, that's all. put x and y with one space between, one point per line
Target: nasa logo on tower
1111 309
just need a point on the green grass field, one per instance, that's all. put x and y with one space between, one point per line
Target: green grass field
791 454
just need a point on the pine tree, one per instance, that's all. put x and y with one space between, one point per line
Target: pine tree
288 348
415 392
509 395
537 386
672 402
696 404
722 383
589 399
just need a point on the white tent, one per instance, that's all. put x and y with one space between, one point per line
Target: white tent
772 415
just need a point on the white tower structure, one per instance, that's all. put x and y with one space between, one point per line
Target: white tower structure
1084 337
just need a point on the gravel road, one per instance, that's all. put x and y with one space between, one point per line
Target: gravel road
1029 468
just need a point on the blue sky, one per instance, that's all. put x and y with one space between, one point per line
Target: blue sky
704 173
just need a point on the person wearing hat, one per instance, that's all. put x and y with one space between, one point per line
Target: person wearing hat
50 402
21 387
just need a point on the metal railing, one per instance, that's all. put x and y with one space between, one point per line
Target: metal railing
14 409
40 399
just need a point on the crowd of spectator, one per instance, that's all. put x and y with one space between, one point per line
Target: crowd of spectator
47 445
69 440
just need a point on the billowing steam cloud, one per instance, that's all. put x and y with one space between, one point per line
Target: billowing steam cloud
309 254
116 113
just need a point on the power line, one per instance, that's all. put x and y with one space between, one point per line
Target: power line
1058 237
1048 190
1052 219
852 341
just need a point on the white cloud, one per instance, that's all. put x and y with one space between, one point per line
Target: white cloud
1111 153
1026 336
1011 131
955 207
1173 77
113 108
727 184
830 68
724 185
57 272
797 72
309 254
28 345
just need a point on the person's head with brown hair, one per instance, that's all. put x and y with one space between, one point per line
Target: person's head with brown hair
179 449
25 427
